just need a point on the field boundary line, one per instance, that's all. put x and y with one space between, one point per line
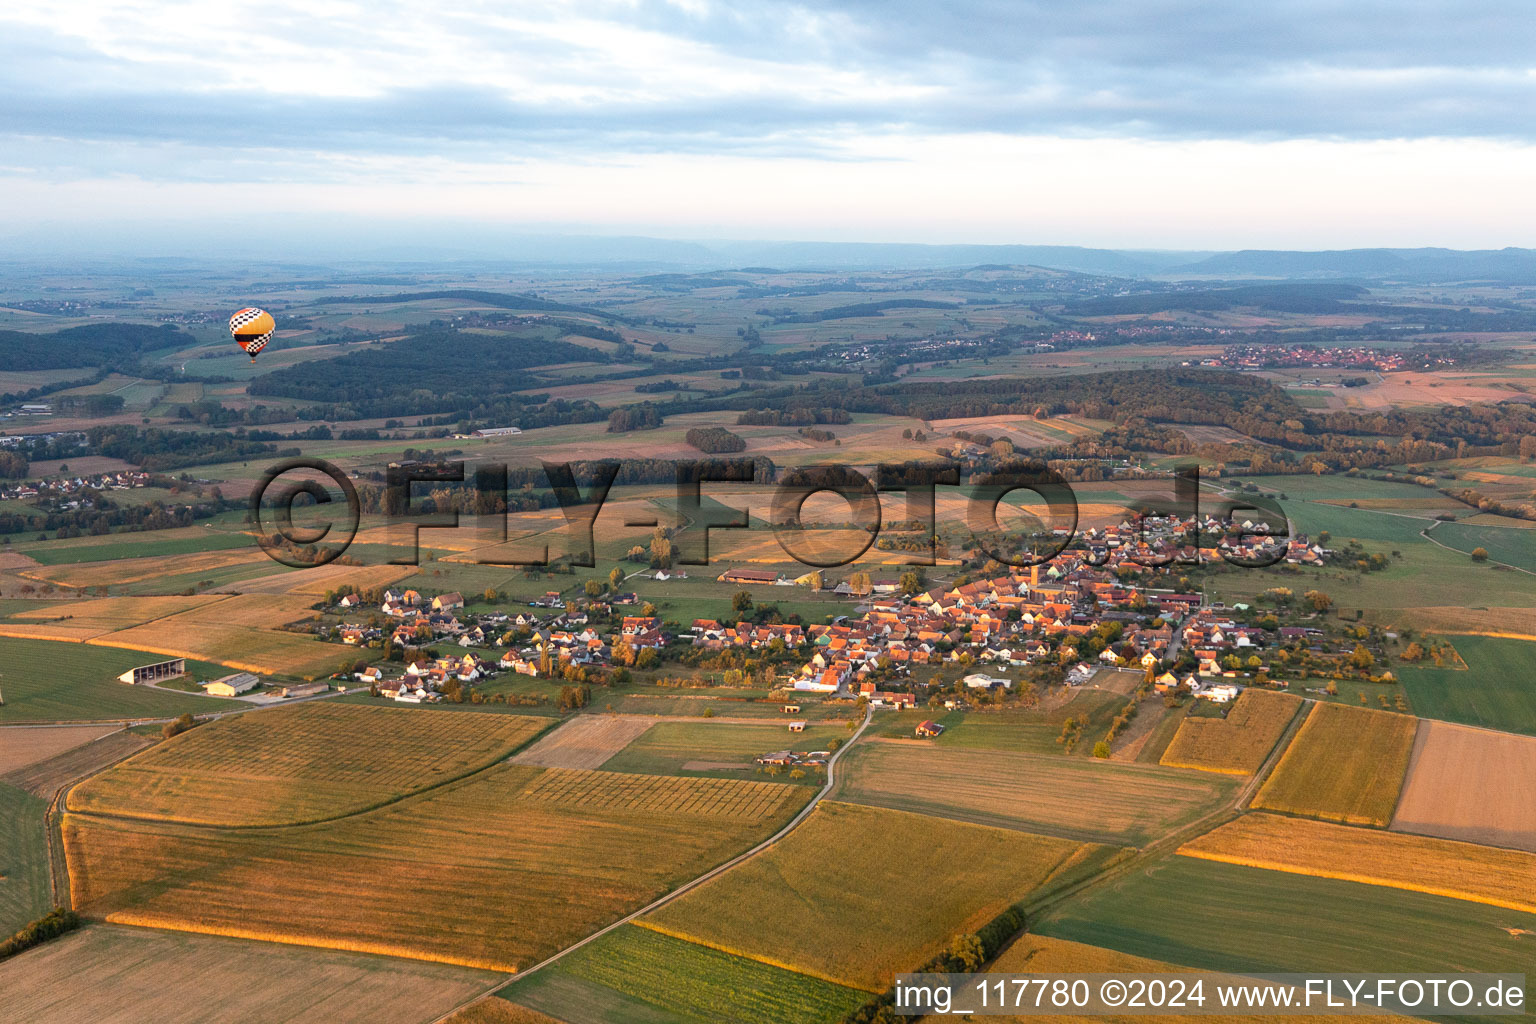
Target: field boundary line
1351 876
53 820
471 775
714 872
1425 533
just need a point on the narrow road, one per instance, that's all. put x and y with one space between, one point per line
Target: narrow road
715 872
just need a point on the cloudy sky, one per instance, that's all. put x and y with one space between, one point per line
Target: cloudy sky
1154 123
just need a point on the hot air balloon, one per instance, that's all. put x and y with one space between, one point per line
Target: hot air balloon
252 329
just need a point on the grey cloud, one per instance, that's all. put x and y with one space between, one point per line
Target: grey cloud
1164 69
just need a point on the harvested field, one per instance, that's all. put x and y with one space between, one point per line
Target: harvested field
584 742
21 746
1237 744
1479 874
1470 784
415 878
134 570
303 763
637 974
43 778
1346 764
1037 954
238 631
315 582
719 798
493 1010
109 974
99 615
1086 800
917 882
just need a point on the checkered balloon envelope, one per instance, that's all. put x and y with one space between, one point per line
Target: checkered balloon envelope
252 328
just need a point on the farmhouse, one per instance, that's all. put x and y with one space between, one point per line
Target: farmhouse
154 673
232 685
447 602
756 577
928 728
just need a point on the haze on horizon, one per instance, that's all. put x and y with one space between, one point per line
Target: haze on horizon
1191 126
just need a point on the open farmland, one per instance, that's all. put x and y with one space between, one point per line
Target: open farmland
23 860
637 974
20 747
240 631
1226 917
44 778
557 854
1346 764
75 575
718 748
584 742
109 974
1087 800
303 763
494 1010
49 681
1494 691
91 617
1237 744
160 544
915 882
1470 784
1037 954
1481 874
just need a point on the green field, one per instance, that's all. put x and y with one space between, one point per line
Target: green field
666 747
1497 691
1029 731
23 860
1089 800
49 680
638 975
59 554
1230 918
1512 546
856 894
1342 487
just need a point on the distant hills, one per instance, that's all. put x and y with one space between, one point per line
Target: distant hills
335 242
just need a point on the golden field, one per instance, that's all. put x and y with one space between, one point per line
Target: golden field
481 873
107 974
1346 764
241 631
1075 798
1039 954
134 570
1237 744
301 763
855 894
1441 867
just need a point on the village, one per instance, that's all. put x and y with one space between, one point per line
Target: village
1105 603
